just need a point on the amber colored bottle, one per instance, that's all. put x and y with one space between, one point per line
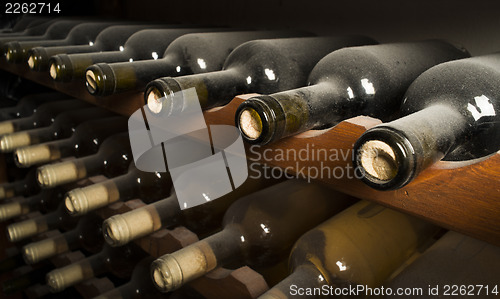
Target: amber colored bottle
28 105
45 201
25 187
454 260
148 186
450 112
81 34
119 261
109 39
262 66
145 44
112 159
58 219
85 141
259 230
86 235
369 80
63 126
121 229
192 53
43 117
361 246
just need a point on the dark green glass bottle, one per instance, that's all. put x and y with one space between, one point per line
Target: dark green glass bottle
189 54
263 66
450 112
369 80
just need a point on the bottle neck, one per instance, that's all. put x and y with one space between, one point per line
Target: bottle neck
10 142
125 76
39 57
213 90
35 252
42 153
28 228
392 154
121 229
305 277
171 271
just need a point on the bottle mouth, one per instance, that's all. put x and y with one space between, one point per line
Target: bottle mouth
100 80
59 67
384 158
13 52
36 58
257 121
163 96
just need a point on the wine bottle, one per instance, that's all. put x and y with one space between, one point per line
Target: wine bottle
258 229
255 66
112 159
121 229
145 44
119 261
28 105
86 235
148 186
85 141
454 259
44 201
58 219
57 30
451 112
81 34
369 80
360 246
25 187
109 39
22 25
43 116
63 126
189 54
139 286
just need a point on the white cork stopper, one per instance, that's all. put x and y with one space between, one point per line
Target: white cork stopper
250 123
91 81
53 71
378 160
31 62
155 100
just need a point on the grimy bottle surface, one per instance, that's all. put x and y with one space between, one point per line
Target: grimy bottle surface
450 112
109 39
454 259
62 127
45 201
136 184
86 235
29 26
85 141
263 66
202 219
192 53
43 117
28 105
259 229
145 44
369 80
119 261
112 159
362 245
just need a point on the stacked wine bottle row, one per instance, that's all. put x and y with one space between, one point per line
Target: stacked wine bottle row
81 216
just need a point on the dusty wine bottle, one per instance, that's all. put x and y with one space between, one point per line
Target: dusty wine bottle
189 54
362 245
109 39
148 186
369 80
258 229
112 159
81 34
85 141
451 112
86 235
28 105
44 201
119 261
63 126
145 44
121 229
56 220
43 116
257 66
454 259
